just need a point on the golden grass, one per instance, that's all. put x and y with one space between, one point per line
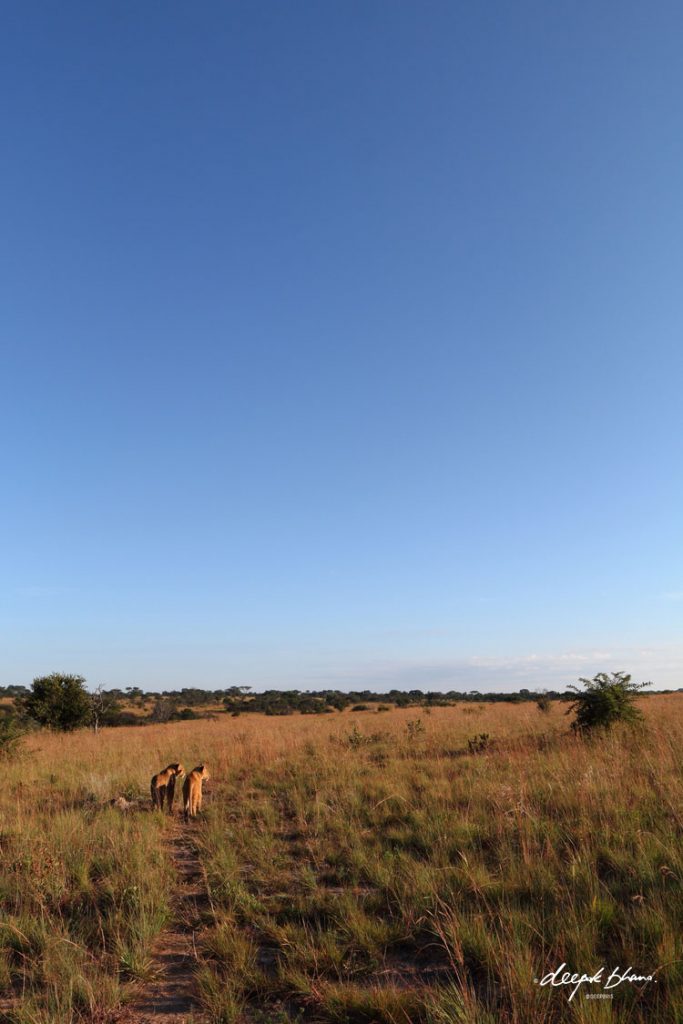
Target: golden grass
128 752
359 870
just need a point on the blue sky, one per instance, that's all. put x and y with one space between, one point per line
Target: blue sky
341 343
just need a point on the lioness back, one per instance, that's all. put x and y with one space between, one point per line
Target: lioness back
162 785
192 790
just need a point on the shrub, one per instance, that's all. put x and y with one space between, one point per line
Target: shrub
128 718
478 744
185 715
356 738
415 728
605 700
162 711
279 709
543 702
360 707
58 701
11 732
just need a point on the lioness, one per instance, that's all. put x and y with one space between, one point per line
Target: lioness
192 790
163 786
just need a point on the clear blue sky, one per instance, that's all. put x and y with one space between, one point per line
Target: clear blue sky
341 343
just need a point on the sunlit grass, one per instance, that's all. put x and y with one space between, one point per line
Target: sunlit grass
393 878
360 867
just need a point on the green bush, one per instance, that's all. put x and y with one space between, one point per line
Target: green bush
605 700
478 744
184 715
58 701
11 731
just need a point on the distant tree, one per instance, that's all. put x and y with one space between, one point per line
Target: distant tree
13 690
310 706
278 708
58 701
103 708
162 710
135 695
337 701
605 700
185 715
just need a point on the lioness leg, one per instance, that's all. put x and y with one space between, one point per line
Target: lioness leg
157 793
170 793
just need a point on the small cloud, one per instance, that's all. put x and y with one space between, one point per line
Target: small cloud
531 670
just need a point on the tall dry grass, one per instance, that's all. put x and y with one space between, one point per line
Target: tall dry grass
359 870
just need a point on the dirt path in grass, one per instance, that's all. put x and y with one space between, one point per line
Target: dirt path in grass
170 996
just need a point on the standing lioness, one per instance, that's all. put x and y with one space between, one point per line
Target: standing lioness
192 790
163 786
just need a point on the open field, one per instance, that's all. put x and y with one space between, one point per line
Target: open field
360 867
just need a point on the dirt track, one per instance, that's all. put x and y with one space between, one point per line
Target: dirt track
170 997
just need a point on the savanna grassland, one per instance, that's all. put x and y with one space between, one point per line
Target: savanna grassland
361 867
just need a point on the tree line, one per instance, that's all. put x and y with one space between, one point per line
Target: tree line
62 702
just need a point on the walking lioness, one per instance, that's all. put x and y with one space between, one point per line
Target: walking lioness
192 790
163 786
